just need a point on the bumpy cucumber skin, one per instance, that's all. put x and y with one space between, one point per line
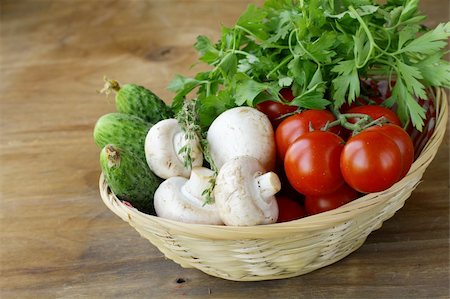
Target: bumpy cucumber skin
124 130
129 178
137 100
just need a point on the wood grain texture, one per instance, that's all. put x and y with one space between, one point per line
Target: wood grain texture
57 238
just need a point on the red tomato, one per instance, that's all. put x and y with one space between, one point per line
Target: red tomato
275 110
312 163
322 203
298 124
287 94
375 112
403 141
360 102
371 162
286 188
289 209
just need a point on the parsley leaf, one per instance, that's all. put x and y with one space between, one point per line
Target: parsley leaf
430 42
435 72
208 53
247 90
347 82
311 99
182 86
252 20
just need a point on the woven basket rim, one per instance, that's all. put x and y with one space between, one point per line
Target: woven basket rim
315 222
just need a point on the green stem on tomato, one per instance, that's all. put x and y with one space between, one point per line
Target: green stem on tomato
376 122
342 120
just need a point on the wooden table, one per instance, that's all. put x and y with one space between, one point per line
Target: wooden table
58 240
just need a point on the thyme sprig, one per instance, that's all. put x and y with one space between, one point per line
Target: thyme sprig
208 193
188 119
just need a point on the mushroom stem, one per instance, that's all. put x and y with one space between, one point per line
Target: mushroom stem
197 183
178 199
244 195
268 185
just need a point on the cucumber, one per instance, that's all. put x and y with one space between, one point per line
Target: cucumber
129 178
123 130
139 101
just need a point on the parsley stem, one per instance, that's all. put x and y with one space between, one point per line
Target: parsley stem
387 62
247 31
369 36
389 41
282 63
241 52
290 42
234 39
306 51
208 88
277 47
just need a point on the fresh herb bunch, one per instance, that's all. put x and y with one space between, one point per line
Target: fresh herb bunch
321 49
187 117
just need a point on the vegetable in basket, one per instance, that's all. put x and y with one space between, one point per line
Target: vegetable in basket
121 135
137 100
181 199
298 124
289 209
315 204
124 130
129 177
312 163
163 150
242 131
244 192
376 158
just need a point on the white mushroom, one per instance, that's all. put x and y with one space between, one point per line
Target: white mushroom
244 193
162 150
180 199
242 131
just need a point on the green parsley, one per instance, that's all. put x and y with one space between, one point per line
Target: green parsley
322 48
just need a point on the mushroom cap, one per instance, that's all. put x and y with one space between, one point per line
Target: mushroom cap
171 202
242 131
238 196
162 145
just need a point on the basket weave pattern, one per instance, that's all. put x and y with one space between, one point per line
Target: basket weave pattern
280 250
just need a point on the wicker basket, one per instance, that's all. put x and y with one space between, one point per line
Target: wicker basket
280 250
